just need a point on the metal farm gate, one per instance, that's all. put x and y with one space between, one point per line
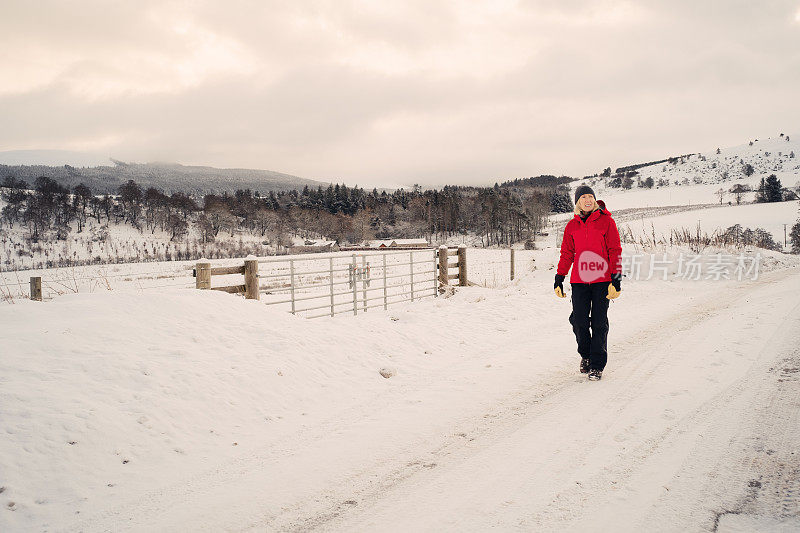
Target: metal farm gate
315 287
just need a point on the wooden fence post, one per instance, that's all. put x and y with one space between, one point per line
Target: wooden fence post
251 279
36 288
442 266
203 273
512 264
462 266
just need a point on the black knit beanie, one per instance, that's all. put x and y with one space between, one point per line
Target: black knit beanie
583 189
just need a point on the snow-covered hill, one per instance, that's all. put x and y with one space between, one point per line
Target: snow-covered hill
696 190
698 178
778 155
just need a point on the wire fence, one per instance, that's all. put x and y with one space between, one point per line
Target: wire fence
15 285
300 284
493 268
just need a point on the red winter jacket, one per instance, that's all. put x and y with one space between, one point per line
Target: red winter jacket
593 246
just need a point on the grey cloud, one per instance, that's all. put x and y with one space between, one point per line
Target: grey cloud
680 78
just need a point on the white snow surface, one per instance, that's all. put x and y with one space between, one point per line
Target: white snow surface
769 216
185 410
201 411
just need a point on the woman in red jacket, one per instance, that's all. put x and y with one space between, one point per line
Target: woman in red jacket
592 248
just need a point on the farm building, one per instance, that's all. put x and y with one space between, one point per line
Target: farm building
398 243
310 246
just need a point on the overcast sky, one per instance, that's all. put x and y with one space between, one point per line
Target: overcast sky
387 93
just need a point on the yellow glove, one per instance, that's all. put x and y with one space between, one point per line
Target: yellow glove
612 292
558 286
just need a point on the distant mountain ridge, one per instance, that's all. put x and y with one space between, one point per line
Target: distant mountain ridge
170 177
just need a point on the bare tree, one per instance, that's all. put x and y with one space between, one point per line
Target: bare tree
362 230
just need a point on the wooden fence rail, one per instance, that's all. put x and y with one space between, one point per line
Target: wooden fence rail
204 272
444 266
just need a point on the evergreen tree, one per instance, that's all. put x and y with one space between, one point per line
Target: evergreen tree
794 237
770 190
560 202
774 189
273 201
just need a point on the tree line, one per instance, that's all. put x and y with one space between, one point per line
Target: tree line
503 214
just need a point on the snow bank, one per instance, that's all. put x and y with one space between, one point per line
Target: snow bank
103 394
106 395
109 395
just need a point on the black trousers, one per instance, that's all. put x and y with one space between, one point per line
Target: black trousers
589 321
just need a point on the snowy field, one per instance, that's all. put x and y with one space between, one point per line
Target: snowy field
131 402
15 285
201 411
770 217
116 243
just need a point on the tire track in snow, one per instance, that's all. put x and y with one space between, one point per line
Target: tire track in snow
690 431
765 456
638 371
377 477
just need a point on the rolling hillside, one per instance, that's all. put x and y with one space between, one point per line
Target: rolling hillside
171 177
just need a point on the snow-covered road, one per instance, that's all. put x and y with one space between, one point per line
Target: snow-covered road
699 423
695 426
691 429
200 411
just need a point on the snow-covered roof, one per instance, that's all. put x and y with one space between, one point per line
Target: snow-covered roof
379 243
411 241
388 243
